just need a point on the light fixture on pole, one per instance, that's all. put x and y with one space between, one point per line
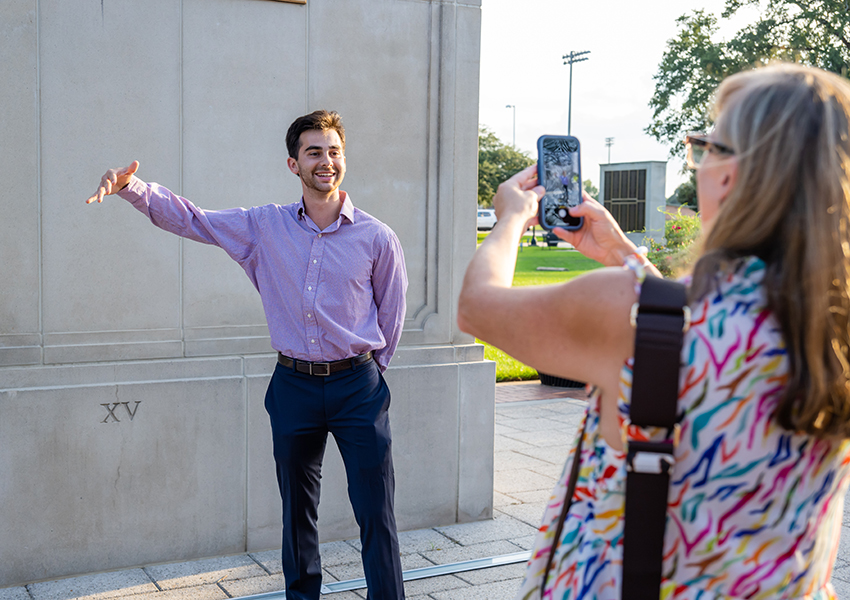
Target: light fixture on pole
569 59
513 106
609 142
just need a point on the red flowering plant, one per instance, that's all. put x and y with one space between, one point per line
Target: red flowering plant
680 232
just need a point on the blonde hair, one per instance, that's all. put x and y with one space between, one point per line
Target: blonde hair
790 206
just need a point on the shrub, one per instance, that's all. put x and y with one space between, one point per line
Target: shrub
680 232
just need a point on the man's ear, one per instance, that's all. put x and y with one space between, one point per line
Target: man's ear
729 176
292 164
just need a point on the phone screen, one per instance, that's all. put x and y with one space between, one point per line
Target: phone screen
559 171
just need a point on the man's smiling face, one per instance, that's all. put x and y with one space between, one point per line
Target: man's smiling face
321 161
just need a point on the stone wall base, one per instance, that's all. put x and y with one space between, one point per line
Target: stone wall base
130 463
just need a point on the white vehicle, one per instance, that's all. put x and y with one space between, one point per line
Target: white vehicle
486 218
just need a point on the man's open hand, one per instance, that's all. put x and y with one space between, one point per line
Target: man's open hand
113 181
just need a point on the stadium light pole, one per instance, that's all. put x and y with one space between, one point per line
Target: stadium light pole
609 142
513 106
570 59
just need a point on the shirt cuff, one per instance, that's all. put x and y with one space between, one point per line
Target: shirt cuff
135 189
379 360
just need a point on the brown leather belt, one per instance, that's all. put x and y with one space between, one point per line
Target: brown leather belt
323 369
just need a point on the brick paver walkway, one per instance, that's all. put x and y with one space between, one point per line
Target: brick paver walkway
523 391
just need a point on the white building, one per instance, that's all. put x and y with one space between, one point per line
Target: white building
634 194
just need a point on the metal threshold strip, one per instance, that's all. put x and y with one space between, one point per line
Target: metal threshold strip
412 574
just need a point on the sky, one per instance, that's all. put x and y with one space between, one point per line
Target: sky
522 45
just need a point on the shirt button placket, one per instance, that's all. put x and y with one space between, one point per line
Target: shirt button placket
310 293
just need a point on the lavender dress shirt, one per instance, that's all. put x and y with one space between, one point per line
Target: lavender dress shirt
327 294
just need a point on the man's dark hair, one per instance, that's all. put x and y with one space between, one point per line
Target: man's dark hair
319 120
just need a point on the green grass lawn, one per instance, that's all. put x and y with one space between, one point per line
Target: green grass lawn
528 259
507 367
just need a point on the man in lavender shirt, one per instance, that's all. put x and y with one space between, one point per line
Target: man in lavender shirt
332 281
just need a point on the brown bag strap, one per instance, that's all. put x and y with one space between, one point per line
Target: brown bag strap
565 508
661 320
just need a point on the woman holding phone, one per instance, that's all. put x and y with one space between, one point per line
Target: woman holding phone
755 502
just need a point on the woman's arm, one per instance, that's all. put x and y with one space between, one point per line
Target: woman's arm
579 329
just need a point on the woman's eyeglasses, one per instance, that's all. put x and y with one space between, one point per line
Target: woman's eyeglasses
699 146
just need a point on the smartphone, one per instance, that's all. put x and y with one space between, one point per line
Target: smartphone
559 171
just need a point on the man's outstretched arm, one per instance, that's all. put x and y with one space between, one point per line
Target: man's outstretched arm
235 229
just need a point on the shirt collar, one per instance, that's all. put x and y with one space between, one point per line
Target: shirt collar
346 211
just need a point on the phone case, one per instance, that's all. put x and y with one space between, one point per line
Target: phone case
559 171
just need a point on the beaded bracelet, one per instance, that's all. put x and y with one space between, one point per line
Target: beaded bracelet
637 262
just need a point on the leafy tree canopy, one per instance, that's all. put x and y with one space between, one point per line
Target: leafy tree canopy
497 161
591 189
811 32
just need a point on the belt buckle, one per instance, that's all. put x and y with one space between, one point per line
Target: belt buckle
325 369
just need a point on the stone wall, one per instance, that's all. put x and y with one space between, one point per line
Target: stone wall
133 364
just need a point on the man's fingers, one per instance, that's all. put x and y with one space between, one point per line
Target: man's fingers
131 169
98 195
110 180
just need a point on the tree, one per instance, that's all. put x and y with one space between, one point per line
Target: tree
591 189
686 193
811 32
497 161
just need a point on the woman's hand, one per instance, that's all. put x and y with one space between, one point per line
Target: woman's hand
520 195
600 237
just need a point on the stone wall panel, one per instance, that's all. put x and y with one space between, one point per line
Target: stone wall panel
109 94
106 476
20 269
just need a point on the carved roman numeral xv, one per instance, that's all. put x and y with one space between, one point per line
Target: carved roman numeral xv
110 411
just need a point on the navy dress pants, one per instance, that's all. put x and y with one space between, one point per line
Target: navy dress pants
352 405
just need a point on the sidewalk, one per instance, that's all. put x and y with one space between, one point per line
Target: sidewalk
534 426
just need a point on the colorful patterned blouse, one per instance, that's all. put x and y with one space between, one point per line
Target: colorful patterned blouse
754 511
